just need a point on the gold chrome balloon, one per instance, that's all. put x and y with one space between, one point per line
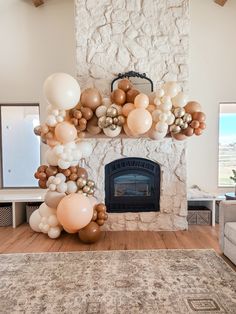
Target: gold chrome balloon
179 112
175 129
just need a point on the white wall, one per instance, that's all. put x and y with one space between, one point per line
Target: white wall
212 80
35 42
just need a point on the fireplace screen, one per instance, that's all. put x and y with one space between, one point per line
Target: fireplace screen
132 185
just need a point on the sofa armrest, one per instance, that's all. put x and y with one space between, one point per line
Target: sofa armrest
227 213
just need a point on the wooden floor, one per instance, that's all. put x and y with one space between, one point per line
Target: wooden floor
23 239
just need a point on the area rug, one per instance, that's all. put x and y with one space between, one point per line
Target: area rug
160 281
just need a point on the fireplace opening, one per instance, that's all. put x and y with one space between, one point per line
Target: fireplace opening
132 185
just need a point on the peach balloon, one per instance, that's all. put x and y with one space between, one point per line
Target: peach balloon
65 132
127 108
151 108
74 211
141 101
139 121
128 132
178 136
192 106
70 231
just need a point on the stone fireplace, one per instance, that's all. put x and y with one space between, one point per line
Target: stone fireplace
147 36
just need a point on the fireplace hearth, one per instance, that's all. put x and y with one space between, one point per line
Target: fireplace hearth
132 185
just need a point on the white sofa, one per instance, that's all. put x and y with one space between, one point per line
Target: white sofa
228 229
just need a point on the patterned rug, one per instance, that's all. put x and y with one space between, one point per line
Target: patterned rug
160 281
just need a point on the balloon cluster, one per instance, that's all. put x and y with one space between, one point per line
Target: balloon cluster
69 201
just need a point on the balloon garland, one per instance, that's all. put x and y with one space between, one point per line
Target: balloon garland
69 201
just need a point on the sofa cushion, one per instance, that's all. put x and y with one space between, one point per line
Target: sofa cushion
230 231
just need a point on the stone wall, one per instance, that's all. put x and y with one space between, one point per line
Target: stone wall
150 36
114 36
170 155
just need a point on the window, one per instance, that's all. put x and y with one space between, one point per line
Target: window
20 148
227 143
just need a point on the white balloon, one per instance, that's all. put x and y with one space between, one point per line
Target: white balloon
163 117
45 228
112 133
101 111
54 232
63 164
58 149
161 127
51 157
170 118
62 91
71 187
166 106
44 220
77 154
53 221
157 101
86 148
46 211
35 220
59 119
160 92
52 187
156 114
180 100
62 187
61 176
51 120
155 135
171 89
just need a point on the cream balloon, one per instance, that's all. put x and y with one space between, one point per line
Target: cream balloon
53 221
46 211
155 135
112 133
156 115
62 91
74 211
35 220
51 157
161 127
54 232
65 132
171 89
139 121
141 101
180 100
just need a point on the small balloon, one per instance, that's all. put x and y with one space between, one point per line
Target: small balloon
118 96
131 94
125 85
91 233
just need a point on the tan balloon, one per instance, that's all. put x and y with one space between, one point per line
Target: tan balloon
178 136
91 98
52 199
74 211
141 101
92 126
118 97
192 106
65 132
139 121
127 108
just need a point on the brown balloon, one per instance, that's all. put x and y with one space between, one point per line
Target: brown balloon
42 184
178 136
92 126
198 131
101 207
42 176
95 215
125 85
100 222
82 173
203 125
91 98
73 177
195 124
118 97
66 172
192 106
131 94
73 169
91 233
86 112
189 131
42 168
199 116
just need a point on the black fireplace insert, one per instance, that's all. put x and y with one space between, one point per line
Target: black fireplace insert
132 185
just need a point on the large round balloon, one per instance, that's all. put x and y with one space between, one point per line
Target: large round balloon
62 91
35 220
65 132
139 121
91 233
74 211
192 106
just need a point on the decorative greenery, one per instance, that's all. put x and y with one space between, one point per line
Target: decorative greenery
234 176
